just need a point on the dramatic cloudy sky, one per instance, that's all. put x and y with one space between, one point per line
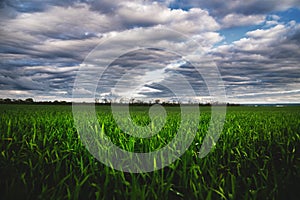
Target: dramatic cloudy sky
150 49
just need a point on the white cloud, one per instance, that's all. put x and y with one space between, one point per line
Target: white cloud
268 62
272 33
191 21
59 21
233 19
73 31
250 7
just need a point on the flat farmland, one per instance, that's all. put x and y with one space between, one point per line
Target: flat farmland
256 157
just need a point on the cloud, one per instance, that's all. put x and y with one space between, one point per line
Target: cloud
249 7
50 53
233 19
61 23
194 20
266 61
43 44
150 73
69 34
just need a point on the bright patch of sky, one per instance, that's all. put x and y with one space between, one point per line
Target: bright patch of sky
235 33
286 16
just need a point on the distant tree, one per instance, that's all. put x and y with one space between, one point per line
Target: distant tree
121 100
139 101
29 100
157 101
105 100
7 100
132 100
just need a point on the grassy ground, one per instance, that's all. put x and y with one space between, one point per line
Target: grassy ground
256 157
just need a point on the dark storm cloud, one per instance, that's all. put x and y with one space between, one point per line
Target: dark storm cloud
25 6
295 37
132 65
162 92
29 6
144 56
36 78
131 70
19 83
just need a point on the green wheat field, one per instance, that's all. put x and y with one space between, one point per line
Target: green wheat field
256 157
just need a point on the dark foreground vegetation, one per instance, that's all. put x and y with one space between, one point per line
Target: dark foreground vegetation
256 157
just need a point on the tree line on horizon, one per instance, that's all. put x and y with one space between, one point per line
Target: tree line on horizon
107 102
30 101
